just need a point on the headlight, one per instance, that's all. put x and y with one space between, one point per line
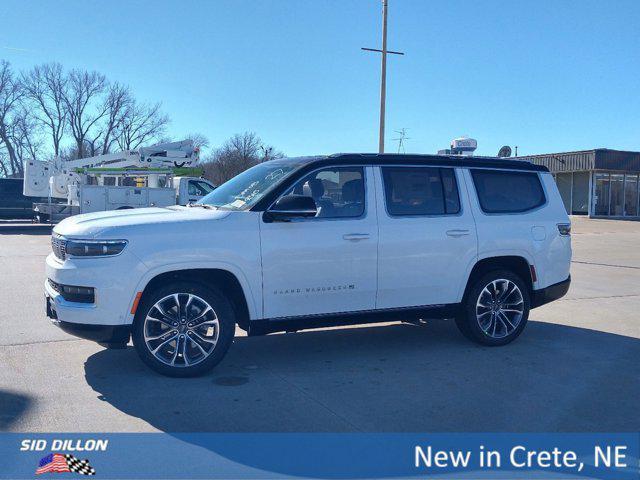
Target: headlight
94 248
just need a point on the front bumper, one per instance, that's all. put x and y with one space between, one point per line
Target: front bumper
550 293
103 334
114 280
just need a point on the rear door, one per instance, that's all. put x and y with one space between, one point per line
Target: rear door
427 236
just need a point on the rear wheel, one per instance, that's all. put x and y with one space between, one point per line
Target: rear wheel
42 218
183 329
495 309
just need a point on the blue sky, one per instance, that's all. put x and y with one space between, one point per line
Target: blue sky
544 75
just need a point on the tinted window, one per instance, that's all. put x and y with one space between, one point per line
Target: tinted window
507 192
420 190
337 191
198 188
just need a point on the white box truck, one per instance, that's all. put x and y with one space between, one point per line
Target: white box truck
156 176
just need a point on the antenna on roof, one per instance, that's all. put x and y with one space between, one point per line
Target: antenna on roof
403 136
505 152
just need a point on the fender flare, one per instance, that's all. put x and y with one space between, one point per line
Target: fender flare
213 265
491 254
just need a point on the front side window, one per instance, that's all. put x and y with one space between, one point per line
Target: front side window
198 188
248 188
420 191
501 191
337 191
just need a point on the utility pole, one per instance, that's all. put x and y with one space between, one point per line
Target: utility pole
383 76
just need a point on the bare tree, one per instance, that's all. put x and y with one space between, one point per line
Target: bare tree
24 132
269 153
11 93
238 153
84 106
45 87
140 124
199 140
116 105
42 108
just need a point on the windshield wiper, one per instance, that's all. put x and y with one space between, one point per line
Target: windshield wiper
202 205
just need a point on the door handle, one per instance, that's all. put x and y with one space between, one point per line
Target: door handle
355 237
457 233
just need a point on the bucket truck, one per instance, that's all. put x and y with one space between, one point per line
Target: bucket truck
155 176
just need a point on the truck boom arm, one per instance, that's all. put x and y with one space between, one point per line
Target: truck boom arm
52 179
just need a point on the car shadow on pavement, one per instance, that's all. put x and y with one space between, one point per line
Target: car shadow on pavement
12 406
391 378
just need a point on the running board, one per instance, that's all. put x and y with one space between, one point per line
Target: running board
293 324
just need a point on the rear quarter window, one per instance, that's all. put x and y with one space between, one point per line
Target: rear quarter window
502 191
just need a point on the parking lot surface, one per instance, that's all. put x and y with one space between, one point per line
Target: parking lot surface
575 368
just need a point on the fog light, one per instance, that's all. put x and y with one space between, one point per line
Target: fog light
72 293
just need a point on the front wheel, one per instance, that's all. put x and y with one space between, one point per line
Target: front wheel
183 329
495 309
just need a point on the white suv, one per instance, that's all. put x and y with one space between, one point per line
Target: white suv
308 242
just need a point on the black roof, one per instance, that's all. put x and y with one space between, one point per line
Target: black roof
418 159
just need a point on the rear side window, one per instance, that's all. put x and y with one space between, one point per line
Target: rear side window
501 191
420 191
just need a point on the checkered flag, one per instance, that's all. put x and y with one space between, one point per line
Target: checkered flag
79 466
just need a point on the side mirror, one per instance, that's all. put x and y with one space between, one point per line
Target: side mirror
290 207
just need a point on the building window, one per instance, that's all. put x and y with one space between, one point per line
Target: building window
631 195
580 193
601 194
564 183
617 195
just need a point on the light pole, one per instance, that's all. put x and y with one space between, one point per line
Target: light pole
383 74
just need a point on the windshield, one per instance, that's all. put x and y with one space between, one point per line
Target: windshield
246 189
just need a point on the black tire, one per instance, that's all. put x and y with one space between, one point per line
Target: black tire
470 325
222 309
42 218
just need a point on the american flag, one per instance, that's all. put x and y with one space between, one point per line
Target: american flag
54 462
59 463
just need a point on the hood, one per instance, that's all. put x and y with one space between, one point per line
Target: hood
102 224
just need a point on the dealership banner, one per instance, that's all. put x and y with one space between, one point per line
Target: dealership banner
319 455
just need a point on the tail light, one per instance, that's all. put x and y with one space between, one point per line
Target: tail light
564 229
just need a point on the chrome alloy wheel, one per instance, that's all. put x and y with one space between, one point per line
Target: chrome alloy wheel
499 308
181 330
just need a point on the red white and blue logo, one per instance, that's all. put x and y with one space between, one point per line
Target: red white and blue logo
62 463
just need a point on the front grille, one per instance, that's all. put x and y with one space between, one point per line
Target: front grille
59 246
72 293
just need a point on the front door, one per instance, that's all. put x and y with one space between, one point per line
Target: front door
325 264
